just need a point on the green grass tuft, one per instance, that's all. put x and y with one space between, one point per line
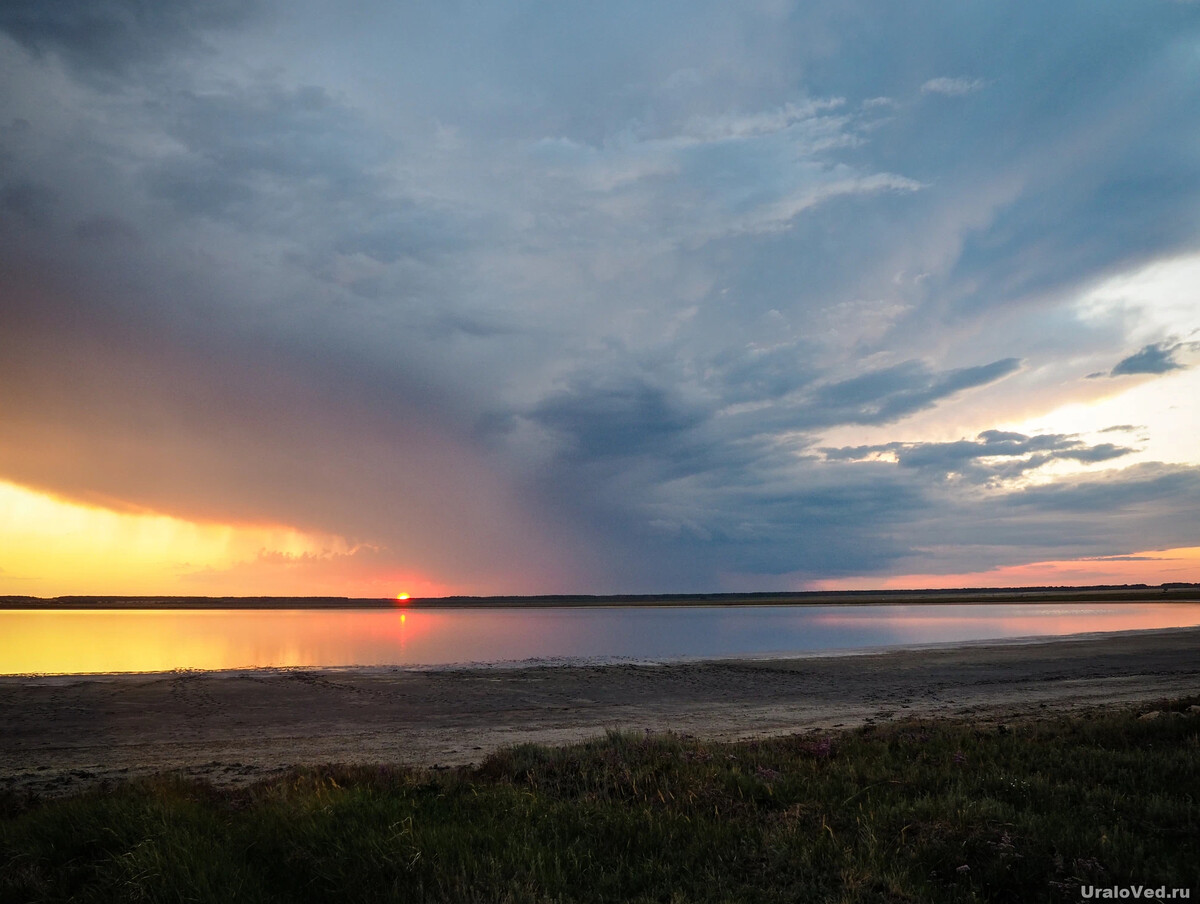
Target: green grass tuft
908 812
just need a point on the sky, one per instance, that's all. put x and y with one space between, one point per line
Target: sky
367 298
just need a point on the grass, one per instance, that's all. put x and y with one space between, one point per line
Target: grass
913 811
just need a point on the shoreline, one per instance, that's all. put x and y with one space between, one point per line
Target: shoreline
70 732
1184 593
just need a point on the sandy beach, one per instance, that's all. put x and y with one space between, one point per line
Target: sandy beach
64 733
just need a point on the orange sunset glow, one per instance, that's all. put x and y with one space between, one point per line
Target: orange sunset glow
54 547
1151 567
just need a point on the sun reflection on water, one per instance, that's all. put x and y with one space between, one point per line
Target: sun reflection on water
100 641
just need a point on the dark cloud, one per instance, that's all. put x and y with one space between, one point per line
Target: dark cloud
1084 516
721 526
838 528
1140 485
1129 559
887 395
1097 453
1158 358
993 455
617 418
744 375
112 35
262 153
30 202
854 518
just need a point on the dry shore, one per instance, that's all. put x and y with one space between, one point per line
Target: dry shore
63 733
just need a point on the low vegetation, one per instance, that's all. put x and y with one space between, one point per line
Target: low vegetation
909 811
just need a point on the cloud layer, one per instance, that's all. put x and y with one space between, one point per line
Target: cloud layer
638 297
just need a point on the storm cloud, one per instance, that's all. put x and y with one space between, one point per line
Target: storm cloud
1158 358
632 297
993 454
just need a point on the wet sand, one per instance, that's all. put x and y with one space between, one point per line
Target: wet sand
59 734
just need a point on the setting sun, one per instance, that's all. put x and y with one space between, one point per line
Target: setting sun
402 596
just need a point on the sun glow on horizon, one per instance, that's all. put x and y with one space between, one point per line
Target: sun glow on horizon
54 547
1151 567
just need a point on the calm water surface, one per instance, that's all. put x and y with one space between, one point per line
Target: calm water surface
89 642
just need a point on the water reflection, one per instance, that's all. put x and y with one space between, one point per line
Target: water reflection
83 642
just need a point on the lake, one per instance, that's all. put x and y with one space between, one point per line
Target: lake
132 640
